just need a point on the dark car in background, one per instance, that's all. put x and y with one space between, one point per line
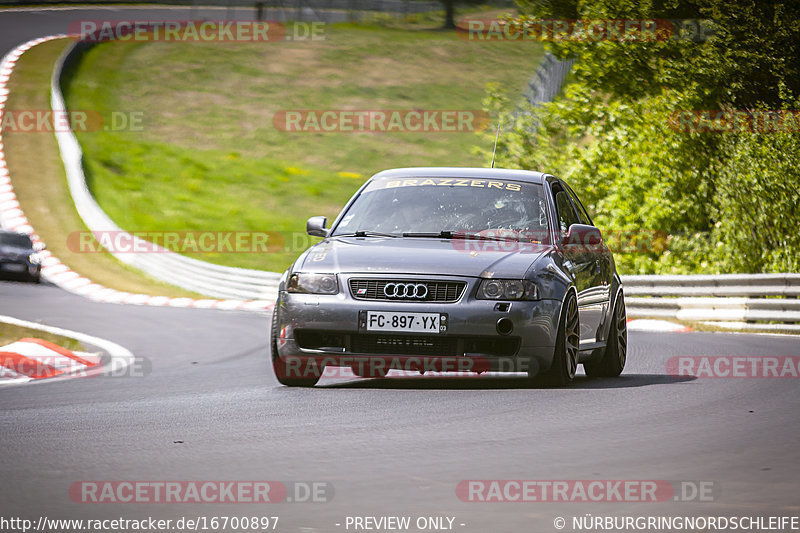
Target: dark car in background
441 269
19 257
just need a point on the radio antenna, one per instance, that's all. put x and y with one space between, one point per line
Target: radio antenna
499 122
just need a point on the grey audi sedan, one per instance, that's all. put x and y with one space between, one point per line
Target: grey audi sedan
453 269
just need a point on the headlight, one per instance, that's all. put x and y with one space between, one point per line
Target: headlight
35 258
507 289
313 283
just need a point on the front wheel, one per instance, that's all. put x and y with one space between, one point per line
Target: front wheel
613 360
565 357
291 377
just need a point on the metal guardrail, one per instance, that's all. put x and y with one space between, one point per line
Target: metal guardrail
367 5
385 6
187 273
329 11
548 79
741 298
170 267
735 299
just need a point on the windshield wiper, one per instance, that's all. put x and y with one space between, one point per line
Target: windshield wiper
480 237
366 233
446 234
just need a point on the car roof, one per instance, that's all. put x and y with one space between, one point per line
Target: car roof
463 172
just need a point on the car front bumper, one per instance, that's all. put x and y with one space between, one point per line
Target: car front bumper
325 330
19 267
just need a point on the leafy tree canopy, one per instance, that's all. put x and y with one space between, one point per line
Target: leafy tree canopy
646 130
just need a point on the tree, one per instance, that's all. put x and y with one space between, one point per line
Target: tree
613 132
449 14
450 11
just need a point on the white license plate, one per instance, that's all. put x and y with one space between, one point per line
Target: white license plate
14 267
409 322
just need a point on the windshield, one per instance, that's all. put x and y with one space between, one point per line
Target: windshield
418 206
15 239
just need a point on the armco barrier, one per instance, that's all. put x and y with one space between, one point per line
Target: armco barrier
741 300
187 273
546 82
179 270
53 270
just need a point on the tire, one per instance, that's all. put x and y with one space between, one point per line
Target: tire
565 356
37 278
279 365
613 360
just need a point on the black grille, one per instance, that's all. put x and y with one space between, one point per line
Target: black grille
320 340
438 291
389 344
406 345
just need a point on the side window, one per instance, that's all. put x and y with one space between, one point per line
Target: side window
582 214
565 212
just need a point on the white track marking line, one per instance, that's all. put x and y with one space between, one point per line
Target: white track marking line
53 270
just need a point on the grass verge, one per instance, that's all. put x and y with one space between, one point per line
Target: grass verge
208 157
11 333
37 174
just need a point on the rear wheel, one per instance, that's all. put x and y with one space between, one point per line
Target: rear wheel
613 360
565 357
305 377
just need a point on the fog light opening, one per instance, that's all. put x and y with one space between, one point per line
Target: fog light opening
505 326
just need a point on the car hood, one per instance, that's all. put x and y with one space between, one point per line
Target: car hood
457 257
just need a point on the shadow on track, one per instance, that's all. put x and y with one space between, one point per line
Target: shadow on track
505 382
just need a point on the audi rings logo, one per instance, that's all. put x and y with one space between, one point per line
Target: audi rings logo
405 290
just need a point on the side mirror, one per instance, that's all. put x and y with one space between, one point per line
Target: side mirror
316 226
39 246
583 238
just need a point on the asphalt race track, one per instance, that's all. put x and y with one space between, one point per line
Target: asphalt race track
206 406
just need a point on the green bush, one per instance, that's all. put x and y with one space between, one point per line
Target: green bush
756 204
726 201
